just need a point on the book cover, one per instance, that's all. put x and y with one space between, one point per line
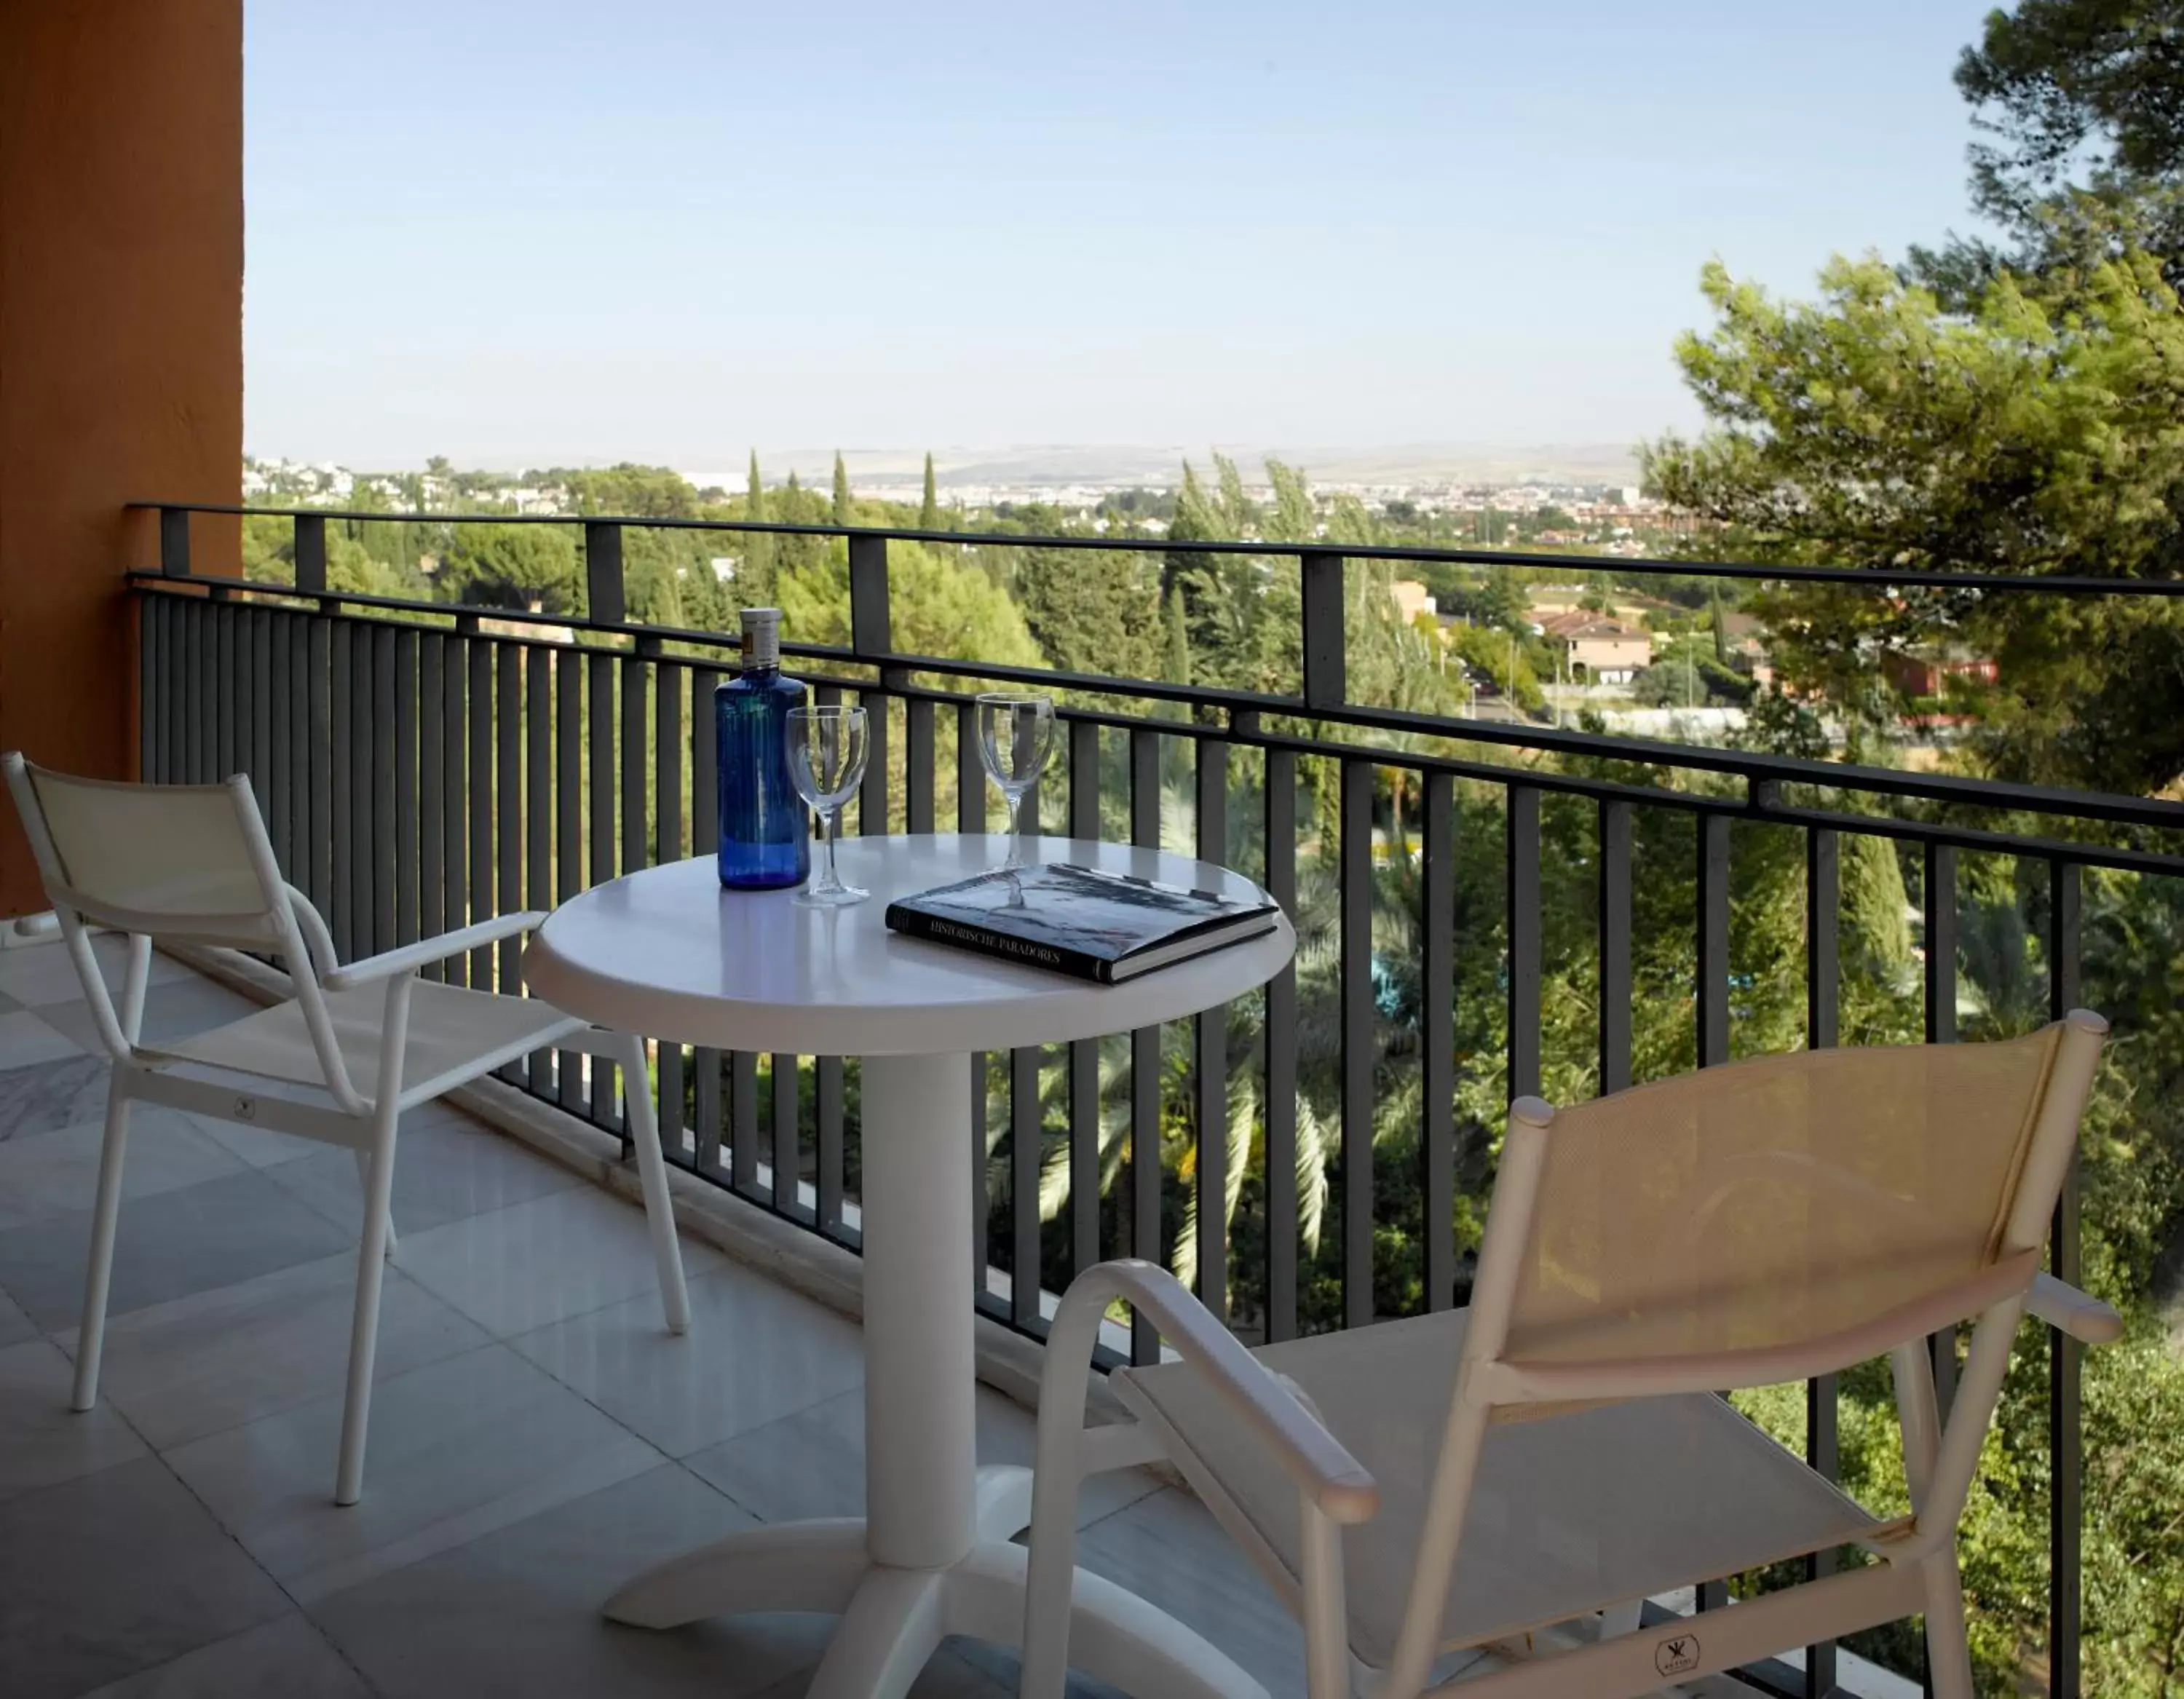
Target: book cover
1100 925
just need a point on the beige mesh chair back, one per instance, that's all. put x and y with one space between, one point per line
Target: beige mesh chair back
1529 1472
354 1046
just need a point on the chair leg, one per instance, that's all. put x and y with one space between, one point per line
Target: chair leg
652 1174
364 1184
364 1328
91 1338
1948 1651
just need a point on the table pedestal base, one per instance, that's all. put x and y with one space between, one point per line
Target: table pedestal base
893 1619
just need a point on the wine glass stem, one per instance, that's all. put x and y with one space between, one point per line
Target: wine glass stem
1016 830
827 831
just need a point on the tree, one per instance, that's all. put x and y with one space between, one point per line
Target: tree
928 510
755 576
2068 86
1294 518
842 508
515 565
940 607
1091 613
2037 435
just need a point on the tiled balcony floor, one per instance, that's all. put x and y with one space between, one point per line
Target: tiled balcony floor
536 1437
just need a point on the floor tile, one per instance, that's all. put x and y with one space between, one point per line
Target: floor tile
286 1659
217 1359
755 1352
26 1040
115 1572
458 1449
169 1246
959 1670
516 1613
1168 1549
46 973
442 1173
43 1442
56 1172
14 1325
563 1255
261 1147
173 1011
47 1096
813 1463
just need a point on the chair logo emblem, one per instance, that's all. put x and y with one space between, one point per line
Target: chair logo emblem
246 1109
1676 1654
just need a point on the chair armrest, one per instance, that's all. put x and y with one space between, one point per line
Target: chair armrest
2076 1313
426 951
1317 1462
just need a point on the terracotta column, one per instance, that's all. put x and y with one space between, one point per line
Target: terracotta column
120 351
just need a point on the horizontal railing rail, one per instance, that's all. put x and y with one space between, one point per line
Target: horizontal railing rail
421 763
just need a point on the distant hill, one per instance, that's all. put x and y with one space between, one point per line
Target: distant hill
1423 463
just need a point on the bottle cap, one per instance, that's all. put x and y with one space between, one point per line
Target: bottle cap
761 637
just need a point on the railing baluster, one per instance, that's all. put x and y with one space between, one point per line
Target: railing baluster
1084 1053
263 712
149 612
2066 1435
317 684
1940 906
278 797
705 837
1024 1152
603 575
1714 939
509 821
743 1109
196 721
667 688
432 916
1617 821
828 1091
1437 1040
568 830
918 764
345 841
384 853
224 615
1210 1056
1356 866
600 792
405 787
1145 1059
175 541
1280 1048
787 1125
1822 1002
630 759
971 817
455 795
538 815
1523 925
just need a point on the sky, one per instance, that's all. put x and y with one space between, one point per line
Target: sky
670 230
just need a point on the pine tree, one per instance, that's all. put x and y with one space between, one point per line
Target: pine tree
841 490
928 514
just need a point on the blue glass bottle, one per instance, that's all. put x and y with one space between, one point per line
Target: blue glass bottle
766 830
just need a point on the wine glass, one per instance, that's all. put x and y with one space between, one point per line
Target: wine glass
826 760
1016 735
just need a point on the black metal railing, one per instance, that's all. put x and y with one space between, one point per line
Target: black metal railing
421 763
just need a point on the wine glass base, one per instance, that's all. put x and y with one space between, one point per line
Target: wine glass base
829 897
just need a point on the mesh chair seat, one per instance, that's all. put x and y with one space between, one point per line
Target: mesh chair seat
1570 1513
451 1031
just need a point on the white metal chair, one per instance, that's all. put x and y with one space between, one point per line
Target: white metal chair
192 864
1554 1455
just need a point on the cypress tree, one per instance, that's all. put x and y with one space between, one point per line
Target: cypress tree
754 580
928 514
841 490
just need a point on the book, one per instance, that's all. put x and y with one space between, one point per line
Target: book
1109 928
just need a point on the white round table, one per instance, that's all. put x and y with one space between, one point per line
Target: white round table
669 954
